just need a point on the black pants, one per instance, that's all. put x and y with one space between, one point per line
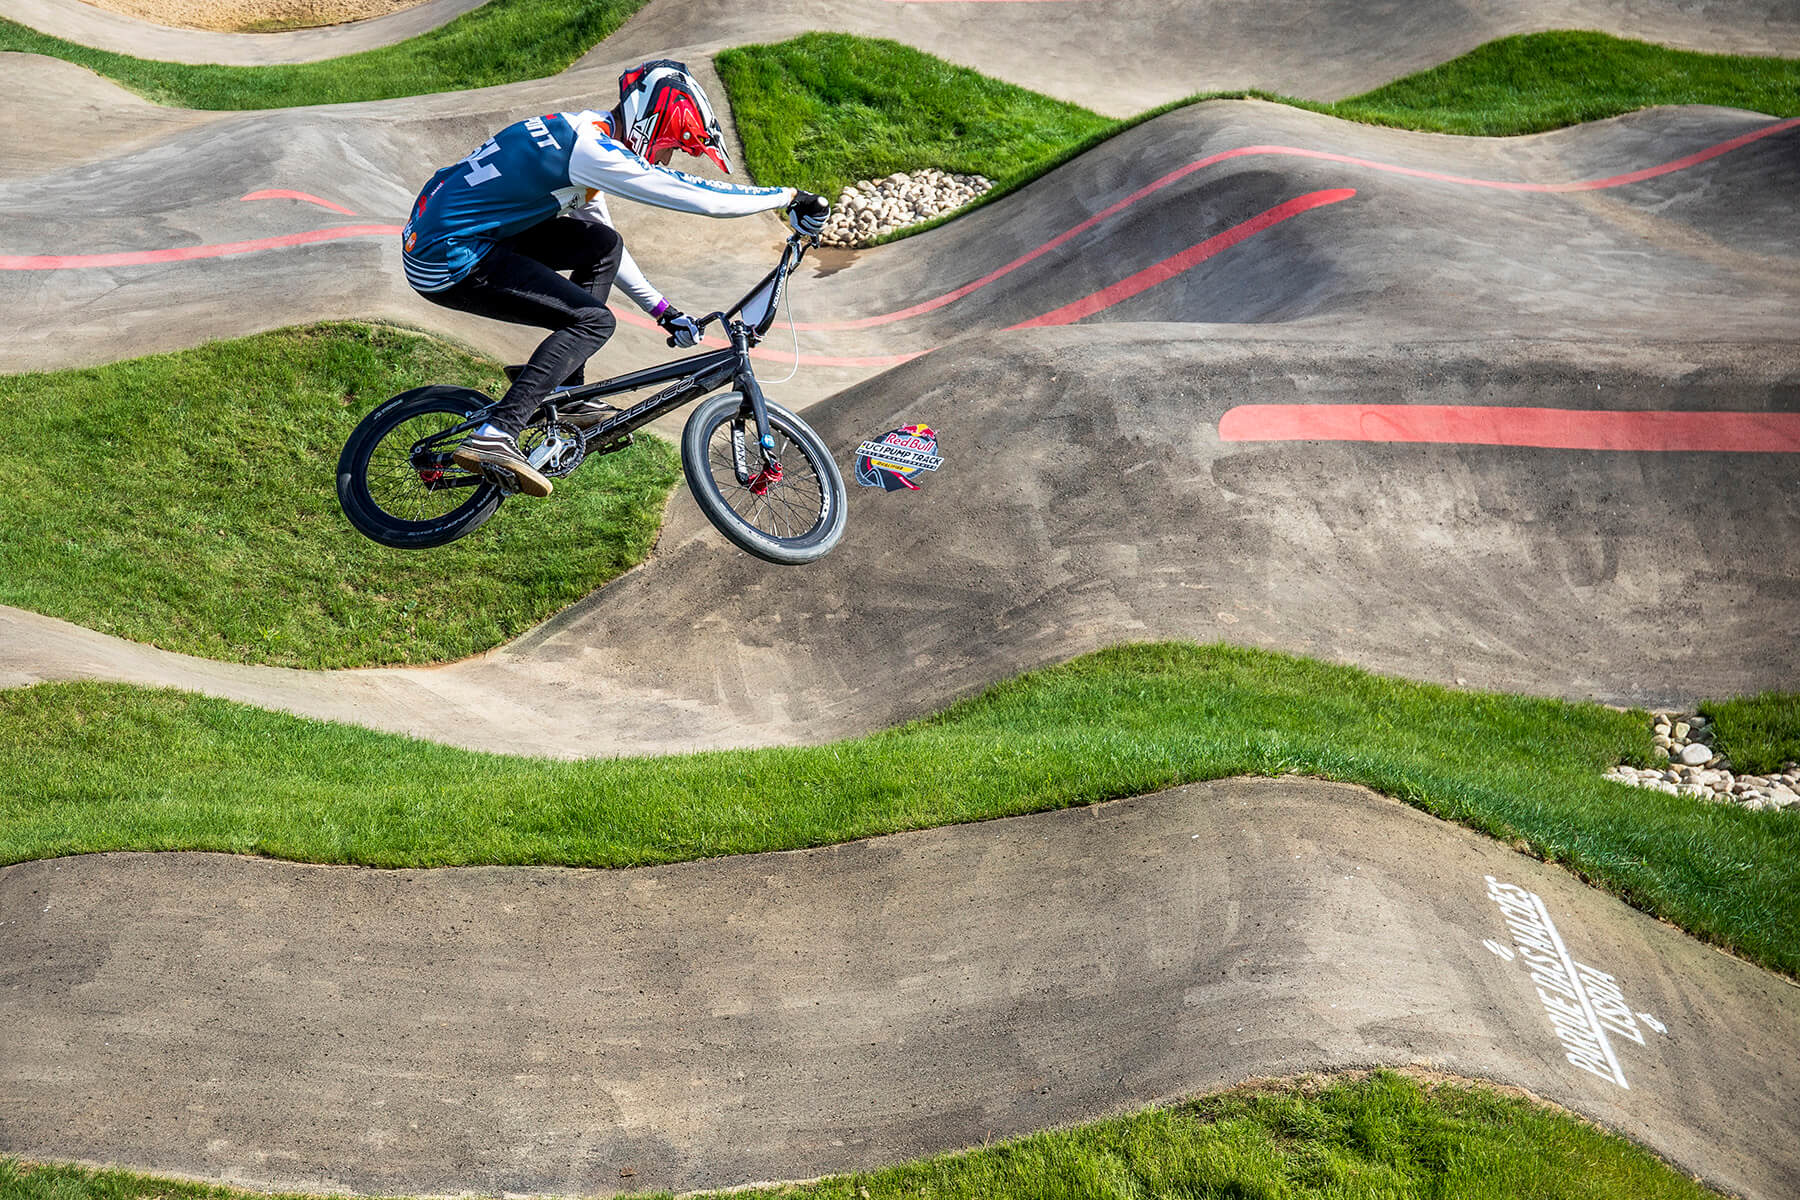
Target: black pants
517 281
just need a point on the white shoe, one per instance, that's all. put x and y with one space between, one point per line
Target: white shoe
500 451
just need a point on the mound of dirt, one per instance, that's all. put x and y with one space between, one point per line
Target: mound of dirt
254 16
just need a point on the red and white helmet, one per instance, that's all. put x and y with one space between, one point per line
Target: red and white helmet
662 108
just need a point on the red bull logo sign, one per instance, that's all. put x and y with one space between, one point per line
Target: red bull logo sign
892 460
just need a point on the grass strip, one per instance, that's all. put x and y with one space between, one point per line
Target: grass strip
503 41
1540 81
1382 1136
188 501
90 767
827 109
838 108
1759 734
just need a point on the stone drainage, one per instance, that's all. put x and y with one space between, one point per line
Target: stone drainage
875 208
1695 769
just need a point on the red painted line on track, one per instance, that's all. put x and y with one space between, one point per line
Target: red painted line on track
787 356
285 194
136 258
1193 256
1181 173
1541 428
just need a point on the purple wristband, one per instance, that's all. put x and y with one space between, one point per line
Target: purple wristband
662 306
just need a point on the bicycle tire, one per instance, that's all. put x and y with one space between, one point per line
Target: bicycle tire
374 440
803 510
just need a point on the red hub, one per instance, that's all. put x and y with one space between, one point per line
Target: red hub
431 475
759 483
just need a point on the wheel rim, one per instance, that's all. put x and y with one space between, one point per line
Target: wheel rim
397 487
789 509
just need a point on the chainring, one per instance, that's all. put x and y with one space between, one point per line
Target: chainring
569 448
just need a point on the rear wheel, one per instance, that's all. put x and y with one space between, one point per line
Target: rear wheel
395 480
787 505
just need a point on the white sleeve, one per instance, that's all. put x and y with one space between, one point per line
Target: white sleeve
604 165
632 282
630 277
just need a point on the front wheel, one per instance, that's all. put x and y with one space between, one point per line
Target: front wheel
786 505
395 480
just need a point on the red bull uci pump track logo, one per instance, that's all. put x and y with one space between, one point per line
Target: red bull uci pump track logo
892 460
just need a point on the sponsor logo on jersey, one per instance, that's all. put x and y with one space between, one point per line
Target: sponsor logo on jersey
891 460
541 135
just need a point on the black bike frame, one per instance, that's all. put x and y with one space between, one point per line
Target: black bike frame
688 378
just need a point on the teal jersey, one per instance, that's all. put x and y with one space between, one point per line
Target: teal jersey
535 169
517 178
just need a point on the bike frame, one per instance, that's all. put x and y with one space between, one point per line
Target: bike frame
688 378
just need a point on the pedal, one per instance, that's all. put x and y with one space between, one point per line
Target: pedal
500 477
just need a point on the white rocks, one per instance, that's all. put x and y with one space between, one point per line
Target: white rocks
1696 770
875 208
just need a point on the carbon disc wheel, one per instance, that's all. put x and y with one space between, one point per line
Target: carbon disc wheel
397 484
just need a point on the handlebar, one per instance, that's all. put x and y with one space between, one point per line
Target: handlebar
797 244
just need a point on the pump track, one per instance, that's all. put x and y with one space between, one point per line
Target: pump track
1520 413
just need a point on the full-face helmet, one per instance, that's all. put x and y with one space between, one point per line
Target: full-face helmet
663 109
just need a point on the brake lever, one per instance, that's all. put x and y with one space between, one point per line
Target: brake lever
701 325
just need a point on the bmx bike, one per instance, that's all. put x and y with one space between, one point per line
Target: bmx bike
759 473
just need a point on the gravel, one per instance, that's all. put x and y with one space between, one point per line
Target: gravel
1695 769
874 208
230 16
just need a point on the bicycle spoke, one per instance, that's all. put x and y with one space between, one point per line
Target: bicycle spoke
395 483
787 508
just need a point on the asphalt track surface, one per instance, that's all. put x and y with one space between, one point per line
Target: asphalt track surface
86 25
1100 354
1520 413
789 1015
1118 57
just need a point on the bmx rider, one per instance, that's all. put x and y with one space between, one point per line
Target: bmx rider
489 235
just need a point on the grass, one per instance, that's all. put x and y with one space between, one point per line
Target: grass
503 41
823 110
90 767
188 501
1382 1136
827 109
1534 82
1759 734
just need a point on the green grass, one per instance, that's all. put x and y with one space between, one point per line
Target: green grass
829 109
823 110
1539 81
90 767
503 41
1383 1136
1758 734
188 501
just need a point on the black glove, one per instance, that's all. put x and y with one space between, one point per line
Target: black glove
807 213
682 329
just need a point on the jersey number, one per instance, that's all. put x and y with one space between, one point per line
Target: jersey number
480 172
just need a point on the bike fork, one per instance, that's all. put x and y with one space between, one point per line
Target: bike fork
746 383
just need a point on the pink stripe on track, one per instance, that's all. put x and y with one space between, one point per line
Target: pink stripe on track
138 258
1176 176
1193 256
1542 428
284 194
787 356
